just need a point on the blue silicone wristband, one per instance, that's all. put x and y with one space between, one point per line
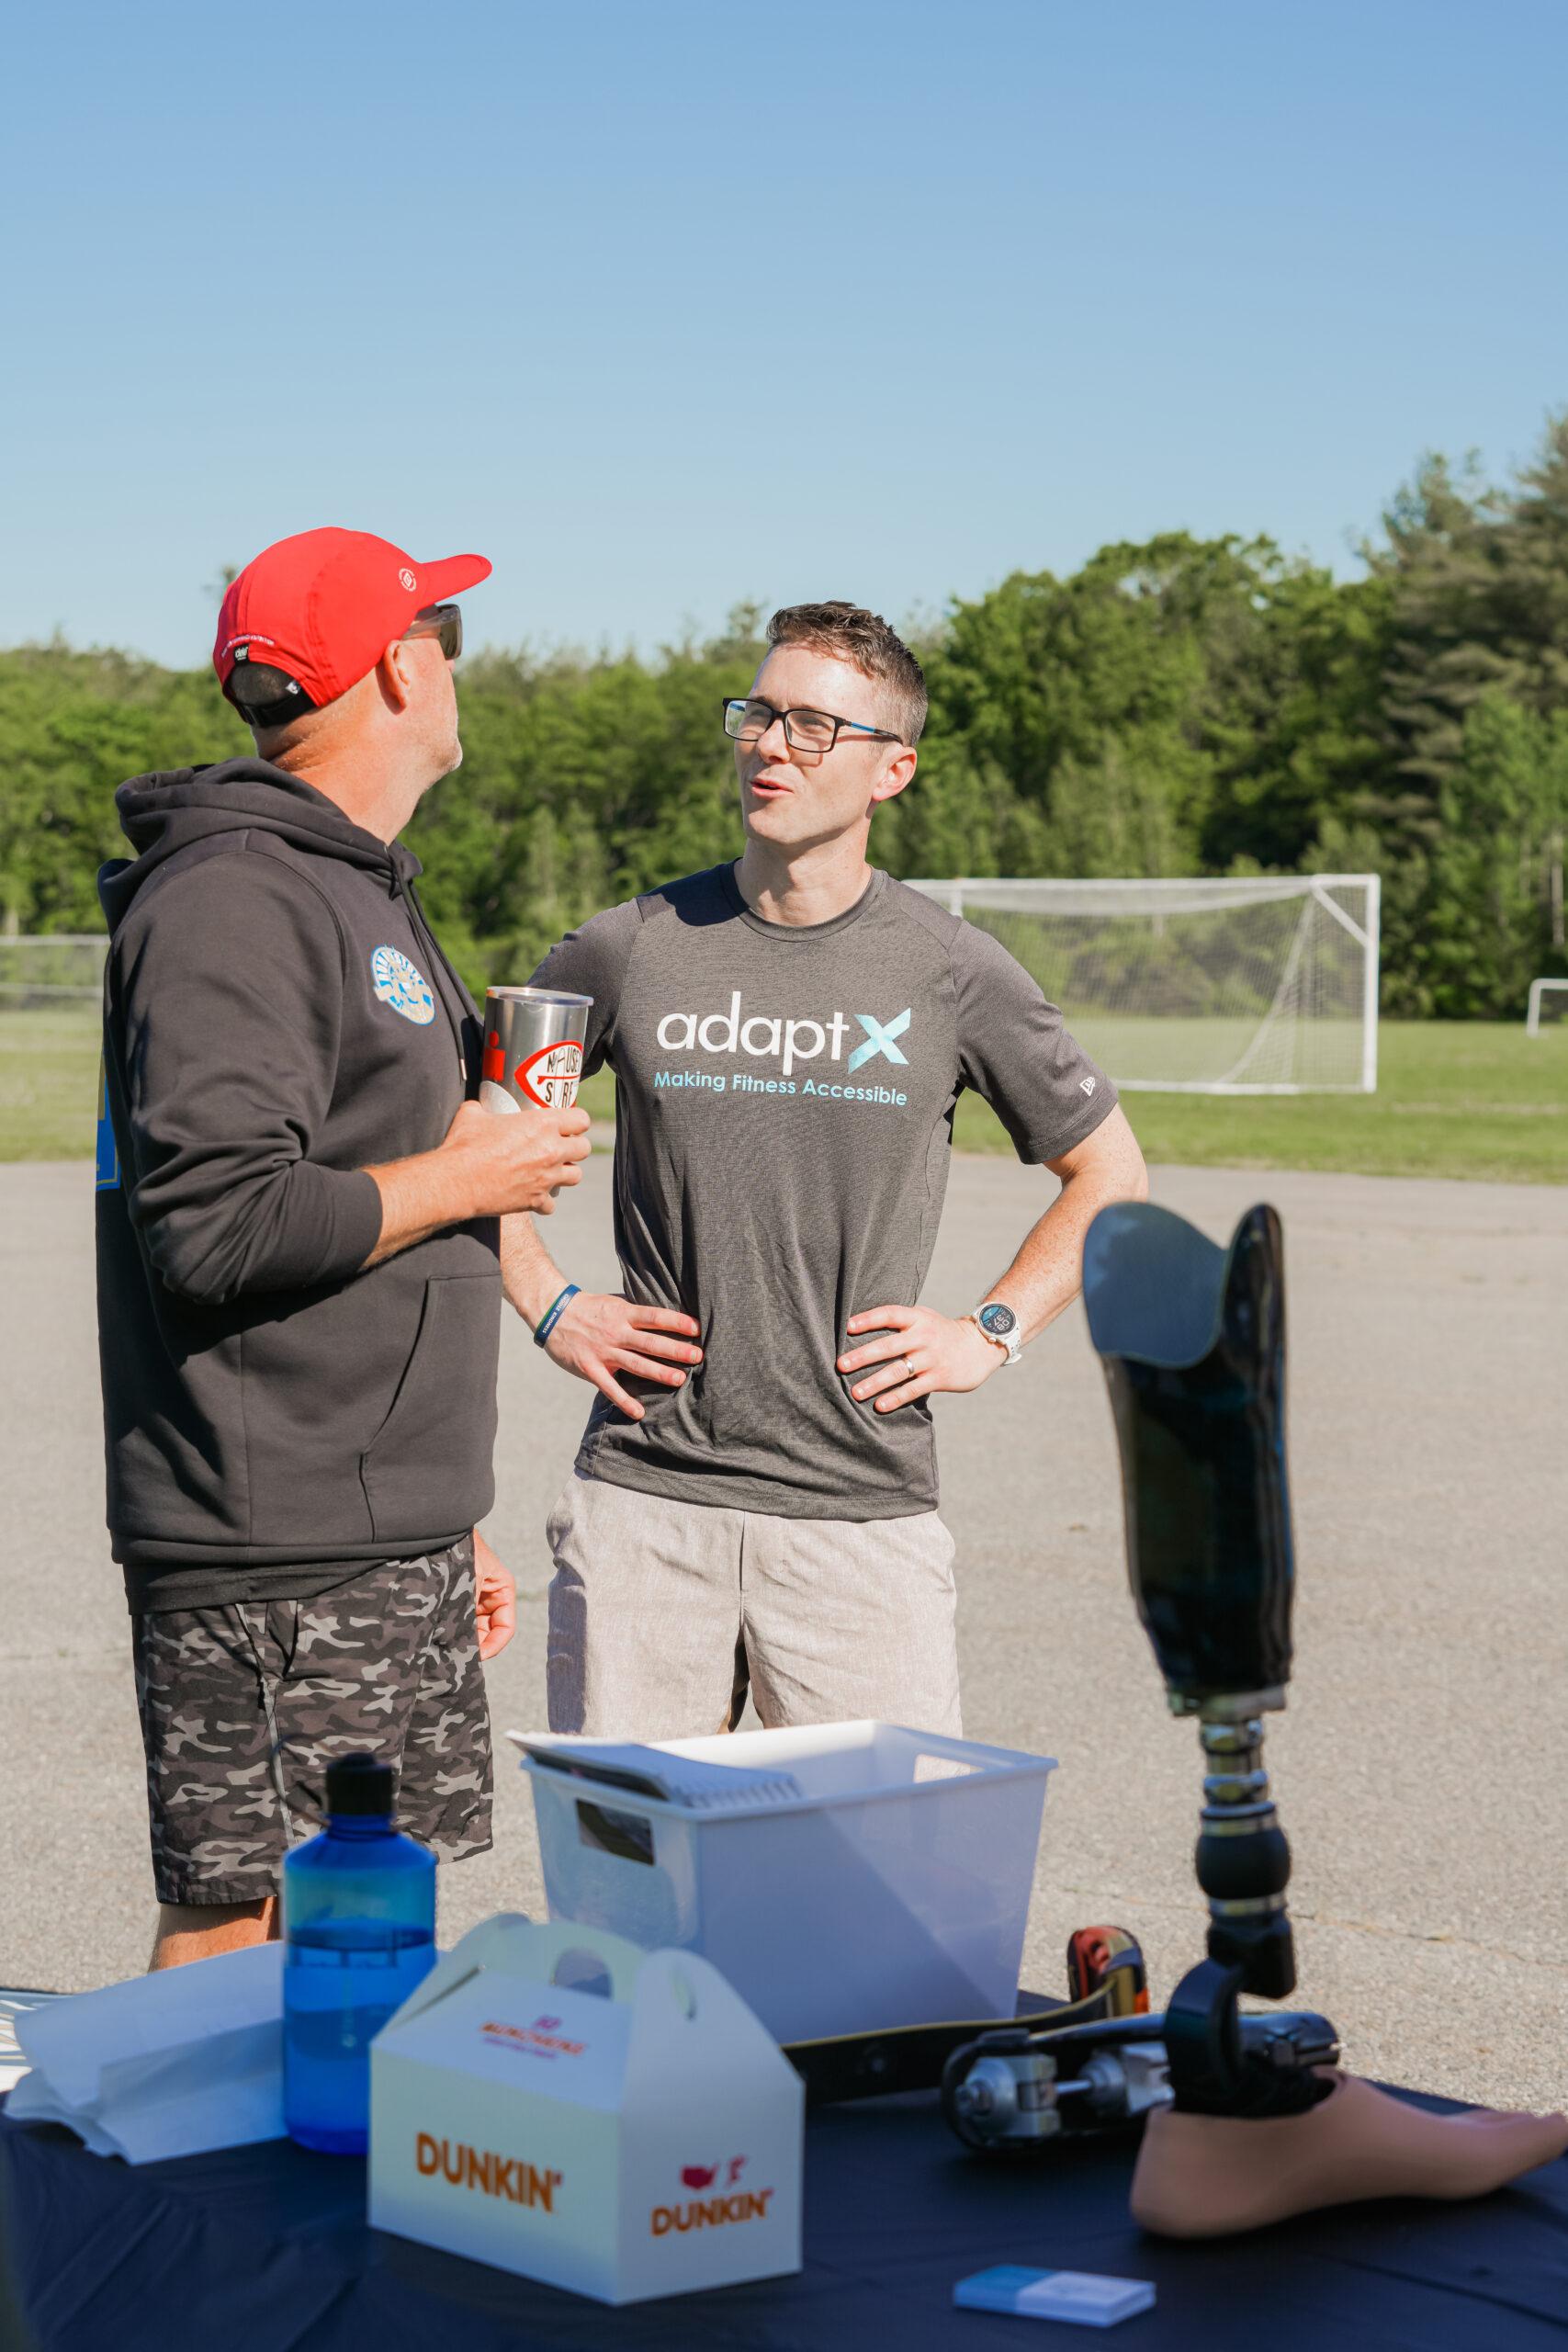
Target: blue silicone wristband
552 1315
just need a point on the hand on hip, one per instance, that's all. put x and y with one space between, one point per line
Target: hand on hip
915 1353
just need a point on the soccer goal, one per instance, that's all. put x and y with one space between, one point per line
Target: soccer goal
57 967
1539 991
1265 986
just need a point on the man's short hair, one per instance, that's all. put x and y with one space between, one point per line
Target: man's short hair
265 698
849 633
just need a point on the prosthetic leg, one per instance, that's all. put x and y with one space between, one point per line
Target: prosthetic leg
1193 1342
1245 2117
1259 2124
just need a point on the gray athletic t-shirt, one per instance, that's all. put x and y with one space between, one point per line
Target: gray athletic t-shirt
784 1107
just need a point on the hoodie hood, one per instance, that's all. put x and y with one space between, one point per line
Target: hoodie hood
163 813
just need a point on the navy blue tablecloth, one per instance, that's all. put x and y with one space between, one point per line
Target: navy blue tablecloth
265 2249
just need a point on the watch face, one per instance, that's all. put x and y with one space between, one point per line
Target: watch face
998 1320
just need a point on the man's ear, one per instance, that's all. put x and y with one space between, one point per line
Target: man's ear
394 675
896 774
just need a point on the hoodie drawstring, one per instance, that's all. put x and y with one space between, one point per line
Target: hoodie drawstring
420 925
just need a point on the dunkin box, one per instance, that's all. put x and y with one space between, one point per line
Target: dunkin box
557 2102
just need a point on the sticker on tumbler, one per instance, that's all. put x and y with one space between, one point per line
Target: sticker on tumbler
549 1077
403 985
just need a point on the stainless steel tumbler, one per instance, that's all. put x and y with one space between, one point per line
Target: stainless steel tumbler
533 1048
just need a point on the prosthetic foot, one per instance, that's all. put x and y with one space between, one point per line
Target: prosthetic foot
1210 2176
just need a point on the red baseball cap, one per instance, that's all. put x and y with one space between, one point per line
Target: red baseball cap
324 606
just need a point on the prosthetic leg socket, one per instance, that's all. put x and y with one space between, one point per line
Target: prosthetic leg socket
1192 1339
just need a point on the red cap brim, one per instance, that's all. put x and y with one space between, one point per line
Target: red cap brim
441 582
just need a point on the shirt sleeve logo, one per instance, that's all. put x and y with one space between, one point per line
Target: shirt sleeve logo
403 985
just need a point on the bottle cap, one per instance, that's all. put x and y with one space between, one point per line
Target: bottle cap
359 1784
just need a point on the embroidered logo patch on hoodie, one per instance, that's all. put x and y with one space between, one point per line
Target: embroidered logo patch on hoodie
403 985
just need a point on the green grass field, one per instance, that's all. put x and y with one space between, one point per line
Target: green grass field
1455 1098
1476 1099
49 1084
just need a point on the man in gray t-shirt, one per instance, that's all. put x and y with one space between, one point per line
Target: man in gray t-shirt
754 1499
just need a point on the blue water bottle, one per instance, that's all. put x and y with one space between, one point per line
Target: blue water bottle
360 1926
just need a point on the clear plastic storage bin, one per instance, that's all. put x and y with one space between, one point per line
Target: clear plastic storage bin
893 1889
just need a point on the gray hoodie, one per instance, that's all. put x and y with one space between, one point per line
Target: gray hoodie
277 1017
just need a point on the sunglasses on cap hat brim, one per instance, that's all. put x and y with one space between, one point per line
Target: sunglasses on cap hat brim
444 622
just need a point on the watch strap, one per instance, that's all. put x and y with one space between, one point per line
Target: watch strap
1011 1342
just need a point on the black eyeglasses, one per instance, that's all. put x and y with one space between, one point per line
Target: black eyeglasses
443 621
804 731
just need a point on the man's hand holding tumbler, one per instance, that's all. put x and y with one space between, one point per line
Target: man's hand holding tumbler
486 1167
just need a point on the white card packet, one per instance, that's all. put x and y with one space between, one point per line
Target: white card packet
1077 2295
170 2064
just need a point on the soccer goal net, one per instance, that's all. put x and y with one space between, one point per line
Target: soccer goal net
1202 987
56 967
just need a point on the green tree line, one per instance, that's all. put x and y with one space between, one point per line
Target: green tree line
1184 706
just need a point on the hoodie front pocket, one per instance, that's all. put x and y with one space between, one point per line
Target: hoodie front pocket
427 1470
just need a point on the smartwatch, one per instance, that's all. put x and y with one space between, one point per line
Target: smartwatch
999 1324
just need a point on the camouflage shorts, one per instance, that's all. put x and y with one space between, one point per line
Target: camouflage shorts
243 1706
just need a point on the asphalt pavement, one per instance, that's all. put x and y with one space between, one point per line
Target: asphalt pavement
1420 1766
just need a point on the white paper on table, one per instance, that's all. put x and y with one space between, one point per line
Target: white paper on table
170 2064
13 2001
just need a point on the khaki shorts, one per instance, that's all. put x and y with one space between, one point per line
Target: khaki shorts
663 1613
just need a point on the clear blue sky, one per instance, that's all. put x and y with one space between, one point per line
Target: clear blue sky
664 306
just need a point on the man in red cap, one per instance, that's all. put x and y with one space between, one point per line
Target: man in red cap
298 1232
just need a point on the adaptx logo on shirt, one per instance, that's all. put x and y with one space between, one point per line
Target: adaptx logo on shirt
403 985
879 1040
791 1040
